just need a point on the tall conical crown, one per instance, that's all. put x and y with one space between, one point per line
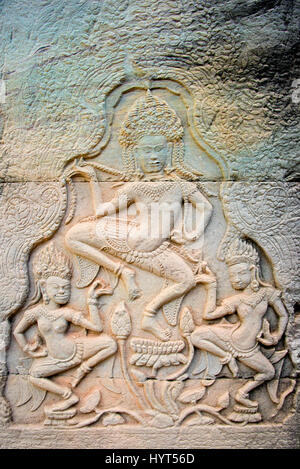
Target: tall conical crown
150 116
52 262
242 251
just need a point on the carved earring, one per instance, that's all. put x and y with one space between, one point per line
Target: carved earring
138 172
169 163
254 282
45 296
46 299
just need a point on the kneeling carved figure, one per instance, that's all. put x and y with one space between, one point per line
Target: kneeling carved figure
54 350
241 341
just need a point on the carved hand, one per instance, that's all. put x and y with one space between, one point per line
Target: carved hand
205 275
82 169
265 337
181 238
43 353
35 354
176 237
99 288
192 236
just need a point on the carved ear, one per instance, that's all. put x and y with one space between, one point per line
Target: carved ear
42 284
135 152
136 158
170 150
169 163
254 277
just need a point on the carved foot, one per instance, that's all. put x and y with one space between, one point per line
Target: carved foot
245 415
65 404
59 418
149 324
128 277
243 399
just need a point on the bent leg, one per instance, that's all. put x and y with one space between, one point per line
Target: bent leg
50 386
264 368
213 339
173 268
103 345
39 373
96 350
84 240
265 372
208 338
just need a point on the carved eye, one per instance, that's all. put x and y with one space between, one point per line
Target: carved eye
147 150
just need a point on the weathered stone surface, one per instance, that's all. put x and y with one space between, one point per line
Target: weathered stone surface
239 60
149 224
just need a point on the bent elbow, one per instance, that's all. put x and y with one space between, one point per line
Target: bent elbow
16 333
207 316
209 210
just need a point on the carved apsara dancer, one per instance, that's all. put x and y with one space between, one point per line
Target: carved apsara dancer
151 138
54 351
241 341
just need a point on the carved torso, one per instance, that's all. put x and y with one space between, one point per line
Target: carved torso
155 201
251 309
53 326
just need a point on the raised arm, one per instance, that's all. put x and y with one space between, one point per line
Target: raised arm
78 319
204 209
221 311
122 200
279 308
85 170
208 279
94 324
228 306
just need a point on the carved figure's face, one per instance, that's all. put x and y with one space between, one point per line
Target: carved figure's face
58 289
240 275
152 152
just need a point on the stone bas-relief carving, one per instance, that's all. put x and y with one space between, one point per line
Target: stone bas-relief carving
241 341
53 350
151 136
154 329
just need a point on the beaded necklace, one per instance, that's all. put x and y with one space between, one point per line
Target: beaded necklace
46 314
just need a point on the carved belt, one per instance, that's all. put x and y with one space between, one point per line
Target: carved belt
121 249
236 353
61 364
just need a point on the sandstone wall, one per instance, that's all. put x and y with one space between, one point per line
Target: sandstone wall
90 92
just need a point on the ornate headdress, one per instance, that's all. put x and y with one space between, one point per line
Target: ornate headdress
150 116
52 262
241 251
